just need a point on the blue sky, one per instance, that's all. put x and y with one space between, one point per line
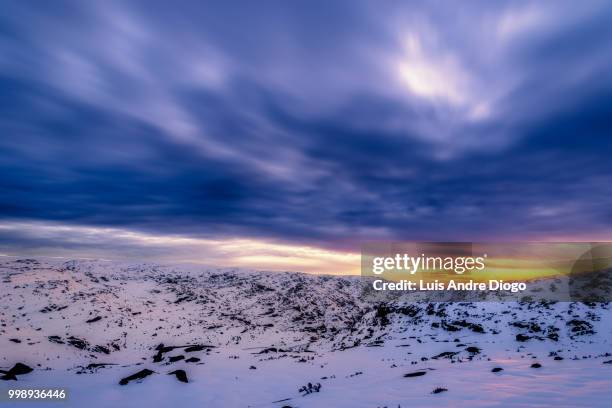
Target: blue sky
317 124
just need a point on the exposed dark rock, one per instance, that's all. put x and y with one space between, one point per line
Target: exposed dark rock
176 358
192 360
17 369
531 326
100 349
497 369
382 313
580 327
438 390
97 365
194 348
310 388
522 337
158 357
415 374
181 375
7 376
161 350
536 365
137 376
52 308
475 327
271 350
55 339
20 369
446 354
95 319
93 367
78 343
449 327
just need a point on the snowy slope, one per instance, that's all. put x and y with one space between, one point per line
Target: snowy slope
248 338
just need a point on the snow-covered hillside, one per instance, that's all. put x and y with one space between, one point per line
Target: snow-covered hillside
248 338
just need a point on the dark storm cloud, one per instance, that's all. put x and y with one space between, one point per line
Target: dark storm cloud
322 122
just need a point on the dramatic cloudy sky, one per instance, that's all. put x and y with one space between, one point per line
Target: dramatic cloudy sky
144 128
